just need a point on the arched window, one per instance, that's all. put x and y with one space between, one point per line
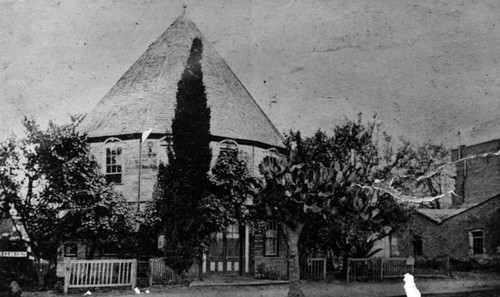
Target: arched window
228 145
114 160
476 242
272 156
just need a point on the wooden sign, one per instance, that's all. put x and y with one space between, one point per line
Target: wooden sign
13 254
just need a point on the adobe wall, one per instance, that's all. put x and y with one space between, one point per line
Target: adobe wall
451 238
477 178
154 151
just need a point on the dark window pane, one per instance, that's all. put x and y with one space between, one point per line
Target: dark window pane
271 239
477 242
417 246
114 178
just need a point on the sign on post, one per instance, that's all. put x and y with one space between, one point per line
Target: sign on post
13 254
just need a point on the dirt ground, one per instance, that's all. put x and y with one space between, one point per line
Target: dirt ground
459 283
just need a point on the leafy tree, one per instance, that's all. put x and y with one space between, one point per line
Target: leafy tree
427 171
356 228
335 176
318 193
362 218
52 189
414 170
291 192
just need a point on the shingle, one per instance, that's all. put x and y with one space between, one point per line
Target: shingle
145 96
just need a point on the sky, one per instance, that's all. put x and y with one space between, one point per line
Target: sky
427 69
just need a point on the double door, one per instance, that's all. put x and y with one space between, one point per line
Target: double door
225 254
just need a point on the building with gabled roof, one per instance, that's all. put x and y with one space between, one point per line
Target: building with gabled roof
144 99
468 233
469 229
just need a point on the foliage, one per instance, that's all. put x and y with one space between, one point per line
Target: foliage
429 160
151 218
293 190
354 230
53 190
333 176
328 176
363 215
193 201
231 181
188 210
191 124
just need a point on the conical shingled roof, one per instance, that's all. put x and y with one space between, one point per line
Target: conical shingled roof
145 96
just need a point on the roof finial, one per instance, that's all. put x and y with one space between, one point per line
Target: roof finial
184 8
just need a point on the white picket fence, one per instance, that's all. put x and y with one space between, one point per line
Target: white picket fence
100 273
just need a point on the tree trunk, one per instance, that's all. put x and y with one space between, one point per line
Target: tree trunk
39 272
293 235
90 251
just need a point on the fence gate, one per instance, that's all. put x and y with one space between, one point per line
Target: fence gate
161 274
313 268
100 273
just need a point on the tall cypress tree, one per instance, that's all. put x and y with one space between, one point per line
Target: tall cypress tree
184 184
191 125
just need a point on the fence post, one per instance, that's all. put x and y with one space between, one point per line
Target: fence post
382 262
200 268
447 266
410 261
324 268
348 270
67 275
150 272
133 273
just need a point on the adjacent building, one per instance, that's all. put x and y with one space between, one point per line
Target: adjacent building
469 229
